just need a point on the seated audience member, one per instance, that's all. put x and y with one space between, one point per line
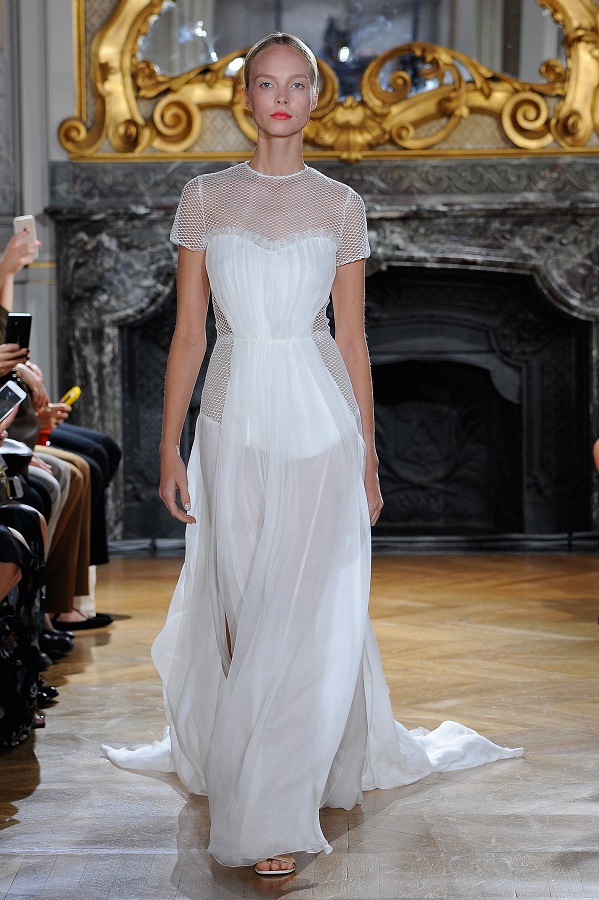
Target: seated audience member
100 452
22 537
21 571
66 583
69 559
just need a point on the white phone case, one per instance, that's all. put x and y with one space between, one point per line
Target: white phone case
11 395
26 223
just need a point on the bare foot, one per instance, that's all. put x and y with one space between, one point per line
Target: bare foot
282 864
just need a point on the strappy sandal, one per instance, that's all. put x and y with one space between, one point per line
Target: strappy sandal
280 857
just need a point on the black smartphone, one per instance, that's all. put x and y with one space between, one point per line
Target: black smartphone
18 329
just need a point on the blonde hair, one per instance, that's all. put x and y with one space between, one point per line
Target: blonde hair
281 38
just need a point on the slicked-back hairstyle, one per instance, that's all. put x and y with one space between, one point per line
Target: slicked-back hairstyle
281 38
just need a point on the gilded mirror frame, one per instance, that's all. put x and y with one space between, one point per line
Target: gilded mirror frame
141 114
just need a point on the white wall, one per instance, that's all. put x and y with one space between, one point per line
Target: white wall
44 91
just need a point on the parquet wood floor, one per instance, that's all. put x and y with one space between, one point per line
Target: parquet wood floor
505 644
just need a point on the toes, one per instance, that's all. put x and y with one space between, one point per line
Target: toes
275 864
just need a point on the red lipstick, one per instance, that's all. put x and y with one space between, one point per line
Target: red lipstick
280 115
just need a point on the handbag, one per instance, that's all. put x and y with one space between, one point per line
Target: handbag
4 483
16 457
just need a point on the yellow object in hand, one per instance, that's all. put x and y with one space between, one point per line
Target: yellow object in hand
72 395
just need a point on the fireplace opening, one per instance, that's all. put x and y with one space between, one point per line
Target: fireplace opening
481 405
449 447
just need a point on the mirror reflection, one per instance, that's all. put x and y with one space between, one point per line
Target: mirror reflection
511 36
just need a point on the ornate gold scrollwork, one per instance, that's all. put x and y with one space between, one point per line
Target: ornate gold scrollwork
561 112
577 115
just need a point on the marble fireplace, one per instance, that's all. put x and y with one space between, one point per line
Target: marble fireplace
482 318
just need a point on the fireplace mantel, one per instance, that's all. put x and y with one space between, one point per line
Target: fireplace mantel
116 265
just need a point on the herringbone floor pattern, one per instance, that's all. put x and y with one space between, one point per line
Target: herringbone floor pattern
508 645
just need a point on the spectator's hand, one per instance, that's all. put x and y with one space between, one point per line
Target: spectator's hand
5 423
35 369
39 463
10 356
53 414
18 253
29 376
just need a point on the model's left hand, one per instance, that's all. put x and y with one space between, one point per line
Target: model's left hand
373 494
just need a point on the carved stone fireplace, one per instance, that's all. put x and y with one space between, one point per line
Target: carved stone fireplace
477 379
482 311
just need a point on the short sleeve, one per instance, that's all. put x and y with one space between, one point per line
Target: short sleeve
354 236
189 227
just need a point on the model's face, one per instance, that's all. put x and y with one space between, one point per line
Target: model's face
279 94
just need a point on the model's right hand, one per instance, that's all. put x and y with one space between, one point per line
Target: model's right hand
173 478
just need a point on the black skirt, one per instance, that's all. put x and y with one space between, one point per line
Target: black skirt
20 624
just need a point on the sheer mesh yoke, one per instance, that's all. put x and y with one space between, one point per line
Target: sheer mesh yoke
272 210
273 213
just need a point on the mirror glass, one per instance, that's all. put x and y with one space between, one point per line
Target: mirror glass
511 36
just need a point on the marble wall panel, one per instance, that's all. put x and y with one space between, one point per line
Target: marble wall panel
116 265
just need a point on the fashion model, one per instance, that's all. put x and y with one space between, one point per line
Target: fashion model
273 684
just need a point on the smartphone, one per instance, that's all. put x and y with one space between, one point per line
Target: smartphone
15 487
18 329
11 394
72 395
26 223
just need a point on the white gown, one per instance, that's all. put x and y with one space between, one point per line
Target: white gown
300 717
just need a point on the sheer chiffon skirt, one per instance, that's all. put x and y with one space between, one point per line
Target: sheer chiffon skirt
299 716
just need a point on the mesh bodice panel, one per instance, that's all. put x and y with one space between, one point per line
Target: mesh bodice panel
216 383
271 210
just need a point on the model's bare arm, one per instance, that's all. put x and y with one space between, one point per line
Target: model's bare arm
185 357
348 305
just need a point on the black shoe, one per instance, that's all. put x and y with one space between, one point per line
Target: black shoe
100 620
57 639
55 643
62 636
67 634
48 689
44 699
44 661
